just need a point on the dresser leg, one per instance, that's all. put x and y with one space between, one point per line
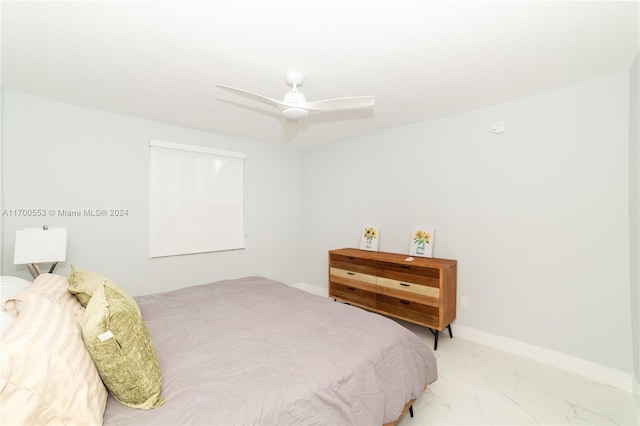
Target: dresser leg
450 332
435 333
411 410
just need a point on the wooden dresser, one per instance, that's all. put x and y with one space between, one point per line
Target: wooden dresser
422 291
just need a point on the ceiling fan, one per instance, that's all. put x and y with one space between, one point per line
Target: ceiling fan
294 106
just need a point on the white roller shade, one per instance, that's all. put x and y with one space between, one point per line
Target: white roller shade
196 199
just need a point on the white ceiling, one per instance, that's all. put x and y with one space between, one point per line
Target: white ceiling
420 59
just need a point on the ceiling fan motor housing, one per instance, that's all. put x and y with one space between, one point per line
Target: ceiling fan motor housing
294 96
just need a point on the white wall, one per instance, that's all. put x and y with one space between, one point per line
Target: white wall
634 211
59 156
537 217
1 173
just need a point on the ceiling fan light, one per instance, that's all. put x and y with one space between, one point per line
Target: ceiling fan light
294 114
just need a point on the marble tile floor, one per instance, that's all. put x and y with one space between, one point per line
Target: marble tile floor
479 385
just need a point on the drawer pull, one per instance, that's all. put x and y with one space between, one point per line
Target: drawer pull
350 257
404 302
405 266
351 288
405 284
351 273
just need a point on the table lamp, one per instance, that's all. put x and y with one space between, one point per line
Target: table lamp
35 245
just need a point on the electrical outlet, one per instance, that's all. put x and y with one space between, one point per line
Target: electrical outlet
464 302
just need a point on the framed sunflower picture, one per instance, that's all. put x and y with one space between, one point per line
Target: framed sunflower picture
369 237
422 241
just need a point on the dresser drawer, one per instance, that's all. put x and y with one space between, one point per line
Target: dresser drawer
415 292
354 279
352 294
353 264
406 309
409 273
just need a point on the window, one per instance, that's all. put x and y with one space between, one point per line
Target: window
196 199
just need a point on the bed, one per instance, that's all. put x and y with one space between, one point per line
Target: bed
256 351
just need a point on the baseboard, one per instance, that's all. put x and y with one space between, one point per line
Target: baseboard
311 288
592 370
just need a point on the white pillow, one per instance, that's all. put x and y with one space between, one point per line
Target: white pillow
9 286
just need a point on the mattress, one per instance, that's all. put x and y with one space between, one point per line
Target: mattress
256 351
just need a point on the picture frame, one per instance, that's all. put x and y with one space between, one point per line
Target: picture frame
421 242
369 237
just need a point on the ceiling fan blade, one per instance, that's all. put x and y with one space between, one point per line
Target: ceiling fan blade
339 103
254 96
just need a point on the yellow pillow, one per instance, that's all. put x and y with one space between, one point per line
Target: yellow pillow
120 345
83 283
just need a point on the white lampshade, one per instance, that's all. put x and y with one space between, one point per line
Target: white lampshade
35 245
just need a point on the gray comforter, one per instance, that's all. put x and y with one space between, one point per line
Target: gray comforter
256 351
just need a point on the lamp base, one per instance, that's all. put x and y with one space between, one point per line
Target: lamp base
35 270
